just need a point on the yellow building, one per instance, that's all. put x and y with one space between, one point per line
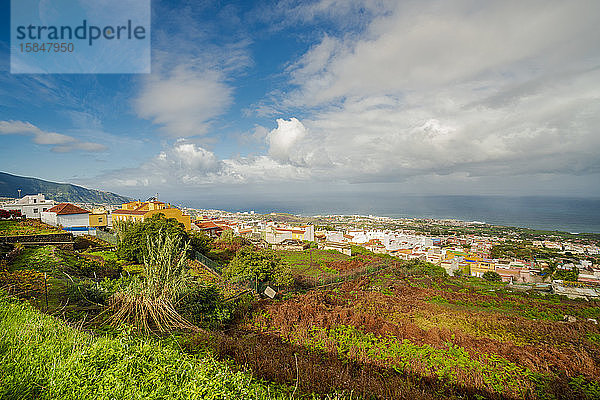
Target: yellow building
137 211
98 219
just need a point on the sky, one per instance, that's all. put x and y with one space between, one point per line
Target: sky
260 100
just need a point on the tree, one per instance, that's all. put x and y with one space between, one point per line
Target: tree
570 275
226 236
134 235
492 276
200 241
263 265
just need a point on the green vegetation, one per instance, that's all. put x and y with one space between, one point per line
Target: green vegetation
25 227
133 236
147 303
366 326
566 274
44 358
492 276
447 363
523 250
262 265
310 261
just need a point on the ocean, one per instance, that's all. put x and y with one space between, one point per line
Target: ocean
576 215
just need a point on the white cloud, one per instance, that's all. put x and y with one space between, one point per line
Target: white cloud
282 139
60 143
184 101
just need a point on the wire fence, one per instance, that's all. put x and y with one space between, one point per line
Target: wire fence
207 262
325 279
107 236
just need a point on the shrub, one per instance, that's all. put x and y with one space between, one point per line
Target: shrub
566 275
205 306
133 236
418 267
492 276
263 265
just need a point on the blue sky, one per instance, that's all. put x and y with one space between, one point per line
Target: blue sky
264 99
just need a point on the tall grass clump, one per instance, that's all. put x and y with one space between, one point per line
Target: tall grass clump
44 358
147 303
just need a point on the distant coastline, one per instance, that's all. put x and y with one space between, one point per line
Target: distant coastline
577 215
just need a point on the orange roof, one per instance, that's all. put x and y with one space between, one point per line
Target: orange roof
67 209
206 225
129 212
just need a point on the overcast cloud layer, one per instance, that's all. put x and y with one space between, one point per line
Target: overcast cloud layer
429 93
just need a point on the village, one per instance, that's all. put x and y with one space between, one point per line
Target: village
564 266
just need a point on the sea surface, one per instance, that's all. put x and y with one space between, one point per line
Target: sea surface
548 213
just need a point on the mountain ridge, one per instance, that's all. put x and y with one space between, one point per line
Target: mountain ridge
60 192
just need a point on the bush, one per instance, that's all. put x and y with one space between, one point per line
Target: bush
419 267
570 275
200 242
263 265
492 276
133 236
205 306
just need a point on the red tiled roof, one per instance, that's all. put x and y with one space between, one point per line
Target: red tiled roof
129 212
67 209
206 225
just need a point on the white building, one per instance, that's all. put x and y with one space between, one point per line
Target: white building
68 216
31 205
277 234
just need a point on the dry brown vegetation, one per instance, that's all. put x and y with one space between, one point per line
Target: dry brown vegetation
390 336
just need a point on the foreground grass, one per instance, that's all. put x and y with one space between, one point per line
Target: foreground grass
44 358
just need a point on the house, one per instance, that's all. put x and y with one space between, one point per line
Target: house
480 266
210 228
276 234
31 206
100 219
137 211
70 217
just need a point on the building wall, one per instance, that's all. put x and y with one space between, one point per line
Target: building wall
73 220
30 210
176 213
49 218
96 220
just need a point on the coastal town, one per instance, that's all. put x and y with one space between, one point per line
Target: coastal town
566 264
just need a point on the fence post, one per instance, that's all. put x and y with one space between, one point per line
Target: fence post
46 291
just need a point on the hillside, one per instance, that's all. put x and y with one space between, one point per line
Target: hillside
62 192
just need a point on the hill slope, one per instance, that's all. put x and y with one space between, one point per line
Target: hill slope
62 192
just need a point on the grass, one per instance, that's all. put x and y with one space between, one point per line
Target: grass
44 358
106 255
25 227
300 261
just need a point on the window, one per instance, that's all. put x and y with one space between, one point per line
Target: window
44 209
34 201
99 219
35 210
